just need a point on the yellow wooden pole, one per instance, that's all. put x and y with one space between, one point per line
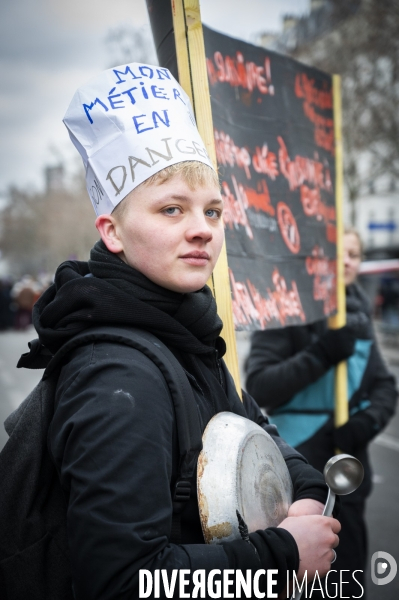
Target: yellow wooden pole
183 61
193 78
341 414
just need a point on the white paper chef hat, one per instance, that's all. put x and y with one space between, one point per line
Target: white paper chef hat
128 123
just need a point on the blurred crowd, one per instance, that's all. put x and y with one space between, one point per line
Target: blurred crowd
17 299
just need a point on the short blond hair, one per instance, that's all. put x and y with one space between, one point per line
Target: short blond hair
194 174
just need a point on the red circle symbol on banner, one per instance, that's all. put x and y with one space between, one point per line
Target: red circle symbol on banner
288 227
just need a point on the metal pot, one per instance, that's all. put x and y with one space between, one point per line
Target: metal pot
240 468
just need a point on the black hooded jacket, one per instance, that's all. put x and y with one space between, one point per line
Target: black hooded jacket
113 437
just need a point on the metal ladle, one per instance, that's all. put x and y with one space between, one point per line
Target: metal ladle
343 474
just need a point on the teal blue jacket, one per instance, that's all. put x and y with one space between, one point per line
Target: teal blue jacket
292 382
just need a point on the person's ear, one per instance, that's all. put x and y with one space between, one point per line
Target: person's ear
108 229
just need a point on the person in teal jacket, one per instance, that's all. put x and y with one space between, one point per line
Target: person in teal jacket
290 373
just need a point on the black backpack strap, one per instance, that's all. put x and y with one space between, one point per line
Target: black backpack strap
187 419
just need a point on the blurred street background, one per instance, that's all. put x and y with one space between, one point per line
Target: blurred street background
48 49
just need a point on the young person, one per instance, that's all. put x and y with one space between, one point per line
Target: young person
295 366
113 437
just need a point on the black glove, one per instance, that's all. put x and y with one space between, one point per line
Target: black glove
334 346
355 434
357 319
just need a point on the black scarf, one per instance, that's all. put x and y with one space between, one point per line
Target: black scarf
105 290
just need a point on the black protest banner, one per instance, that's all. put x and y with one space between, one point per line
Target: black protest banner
274 137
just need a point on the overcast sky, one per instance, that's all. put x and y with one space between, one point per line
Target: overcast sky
48 48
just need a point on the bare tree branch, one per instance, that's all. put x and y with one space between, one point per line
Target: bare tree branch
364 50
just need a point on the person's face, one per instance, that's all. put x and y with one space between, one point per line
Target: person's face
352 257
171 233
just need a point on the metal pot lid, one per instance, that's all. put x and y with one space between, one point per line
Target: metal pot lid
240 468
